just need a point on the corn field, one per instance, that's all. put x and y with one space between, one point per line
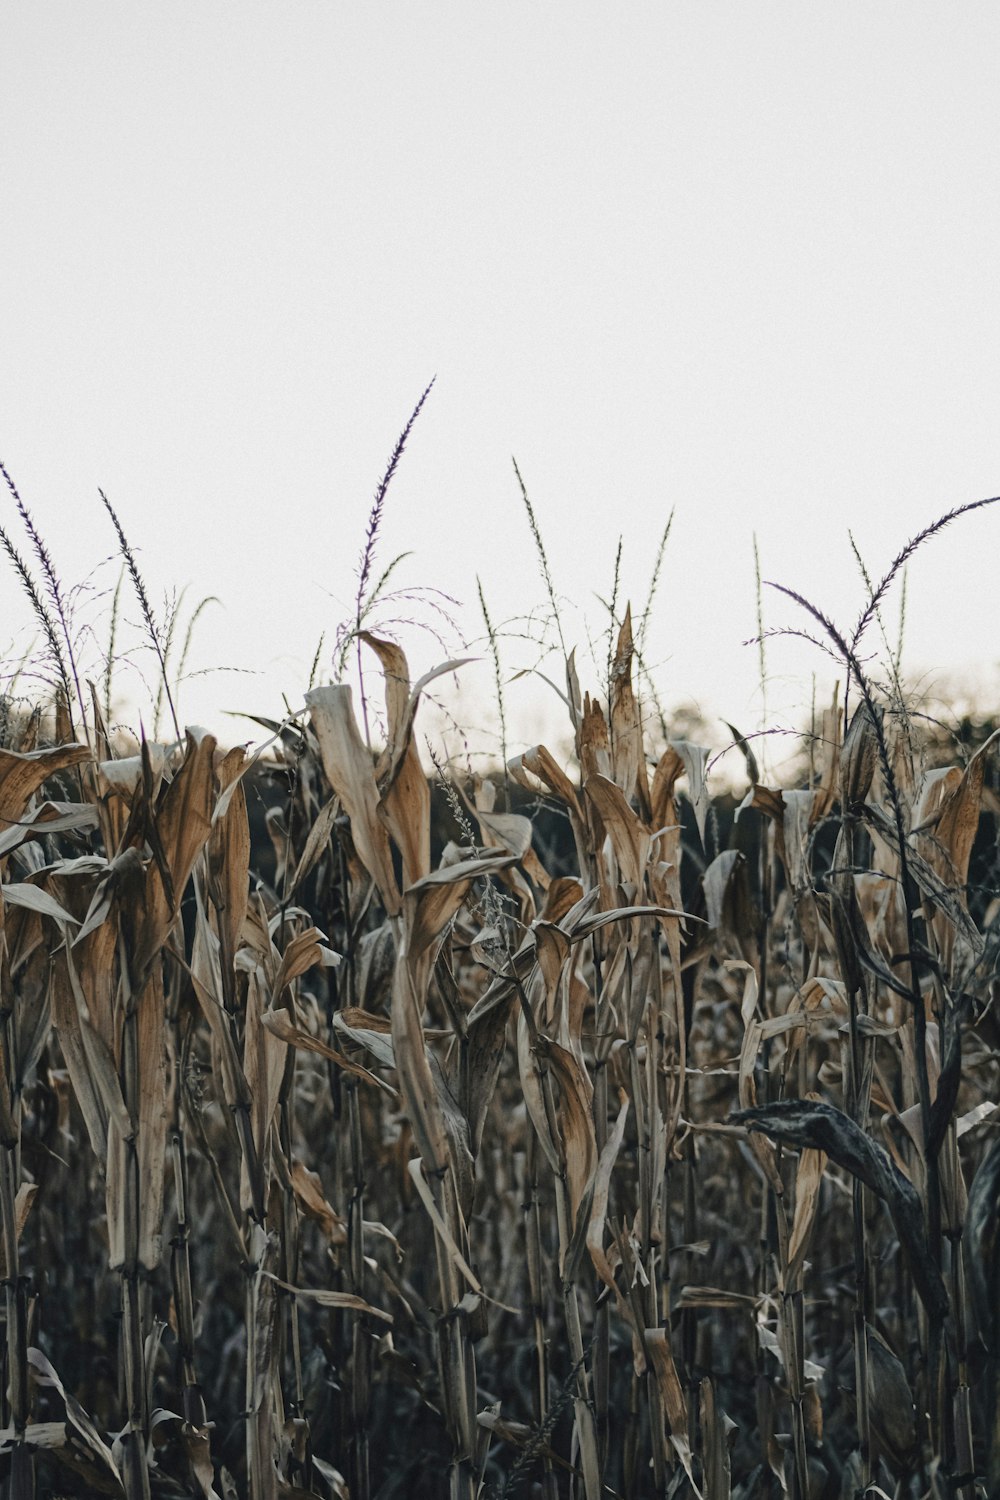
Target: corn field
352 1162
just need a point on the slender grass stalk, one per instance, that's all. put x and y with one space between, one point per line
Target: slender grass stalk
111 655
543 560
41 613
498 684
55 593
612 608
149 619
646 612
363 600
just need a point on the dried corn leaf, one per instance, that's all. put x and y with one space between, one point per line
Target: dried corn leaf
20 893
432 902
151 1143
197 1446
946 894
228 854
804 1122
578 1145
562 895
98 1057
50 818
441 1229
533 1094
753 1035
264 1056
308 1189
82 1426
627 759
538 765
694 759
323 1297
69 1028
405 804
24 1198
599 1202
585 1435
279 1024
629 838
486 1040
183 823
586 925
349 770
657 1342
22 773
417 1085
808 1180
302 953
317 842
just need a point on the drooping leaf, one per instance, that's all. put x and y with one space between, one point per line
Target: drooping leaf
810 1123
22 773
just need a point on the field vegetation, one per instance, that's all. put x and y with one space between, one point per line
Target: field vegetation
560 1131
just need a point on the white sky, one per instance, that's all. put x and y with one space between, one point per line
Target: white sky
736 259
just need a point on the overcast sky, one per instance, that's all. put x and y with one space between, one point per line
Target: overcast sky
735 260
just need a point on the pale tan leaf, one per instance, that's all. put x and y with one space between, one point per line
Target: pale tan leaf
586 1436
123 777
280 1024
81 1423
974 1117
808 1180
508 831
264 1056
349 770
433 901
576 1121
541 764
376 1039
23 1200
228 857
657 1342
762 1148
599 1202
628 837
316 843
68 1027
197 1446
50 818
627 760
302 953
152 1123
405 800
308 1190
419 1181
695 760
183 823
828 768
590 924
326 1298
20 893
22 773
99 1058
562 895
